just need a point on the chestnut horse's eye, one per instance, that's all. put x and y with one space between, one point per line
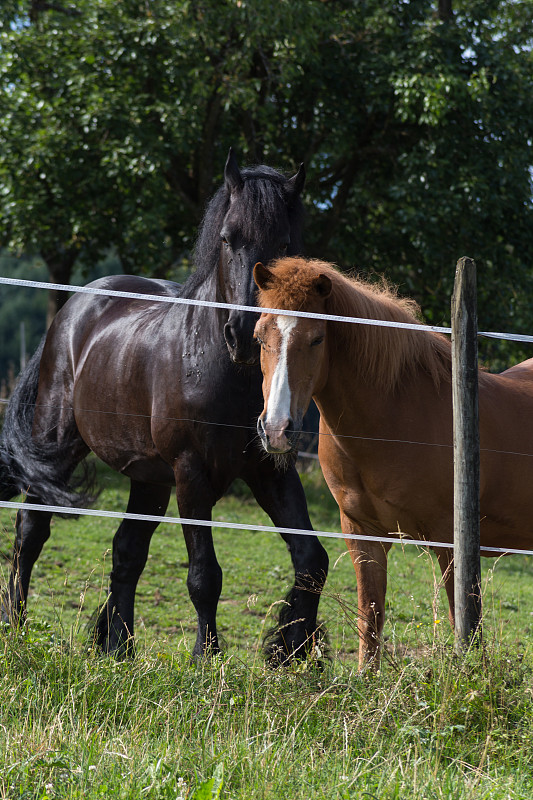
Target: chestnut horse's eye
259 340
318 340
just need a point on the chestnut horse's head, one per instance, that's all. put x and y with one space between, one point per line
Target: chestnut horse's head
293 349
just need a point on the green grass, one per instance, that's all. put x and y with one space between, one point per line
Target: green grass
428 725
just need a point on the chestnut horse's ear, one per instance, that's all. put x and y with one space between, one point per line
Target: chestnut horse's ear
262 275
232 174
295 184
322 286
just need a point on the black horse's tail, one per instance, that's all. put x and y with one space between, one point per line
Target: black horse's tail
45 467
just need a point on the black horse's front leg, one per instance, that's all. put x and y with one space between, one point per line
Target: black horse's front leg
113 631
204 579
204 582
281 495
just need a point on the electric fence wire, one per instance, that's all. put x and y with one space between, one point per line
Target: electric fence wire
393 539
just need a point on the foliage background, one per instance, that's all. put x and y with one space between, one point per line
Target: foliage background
414 120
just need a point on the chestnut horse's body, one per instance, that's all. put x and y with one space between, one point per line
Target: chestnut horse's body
168 394
386 446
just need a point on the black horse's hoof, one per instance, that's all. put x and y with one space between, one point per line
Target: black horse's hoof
12 616
202 654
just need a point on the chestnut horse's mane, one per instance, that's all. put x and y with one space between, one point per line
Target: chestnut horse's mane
385 356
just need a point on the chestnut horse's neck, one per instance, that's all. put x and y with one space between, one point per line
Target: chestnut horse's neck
383 356
353 397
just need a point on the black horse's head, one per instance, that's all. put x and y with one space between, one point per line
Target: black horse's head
255 216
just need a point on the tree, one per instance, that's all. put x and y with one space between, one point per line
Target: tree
19 307
413 120
446 169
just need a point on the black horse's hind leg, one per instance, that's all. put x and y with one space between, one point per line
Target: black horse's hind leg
113 631
281 495
32 531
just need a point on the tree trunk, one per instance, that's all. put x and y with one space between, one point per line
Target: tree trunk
60 264
445 10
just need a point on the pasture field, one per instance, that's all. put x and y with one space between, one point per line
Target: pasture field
75 725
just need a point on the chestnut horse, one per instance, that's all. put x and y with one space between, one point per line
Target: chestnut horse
168 395
385 401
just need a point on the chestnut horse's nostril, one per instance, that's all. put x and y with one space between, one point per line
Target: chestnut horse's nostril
276 436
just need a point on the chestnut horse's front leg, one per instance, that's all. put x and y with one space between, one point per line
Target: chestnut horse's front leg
370 563
445 559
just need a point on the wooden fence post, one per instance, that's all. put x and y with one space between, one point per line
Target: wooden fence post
467 565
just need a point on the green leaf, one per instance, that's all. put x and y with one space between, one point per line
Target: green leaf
210 789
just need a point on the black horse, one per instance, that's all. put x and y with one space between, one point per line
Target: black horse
167 394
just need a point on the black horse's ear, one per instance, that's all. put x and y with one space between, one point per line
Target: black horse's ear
262 275
322 285
232 174
296 184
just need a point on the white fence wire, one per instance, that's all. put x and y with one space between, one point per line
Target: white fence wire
393 538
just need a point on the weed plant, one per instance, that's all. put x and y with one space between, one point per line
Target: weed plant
427 725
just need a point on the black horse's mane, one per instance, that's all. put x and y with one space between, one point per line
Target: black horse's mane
261 203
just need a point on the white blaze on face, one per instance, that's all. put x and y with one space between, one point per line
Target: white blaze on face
279 401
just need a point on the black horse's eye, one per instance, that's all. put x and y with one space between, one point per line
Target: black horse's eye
283 248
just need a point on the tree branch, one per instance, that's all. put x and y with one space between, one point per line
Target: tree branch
38 6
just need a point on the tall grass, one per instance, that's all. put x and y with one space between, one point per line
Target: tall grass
75 725
427 725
